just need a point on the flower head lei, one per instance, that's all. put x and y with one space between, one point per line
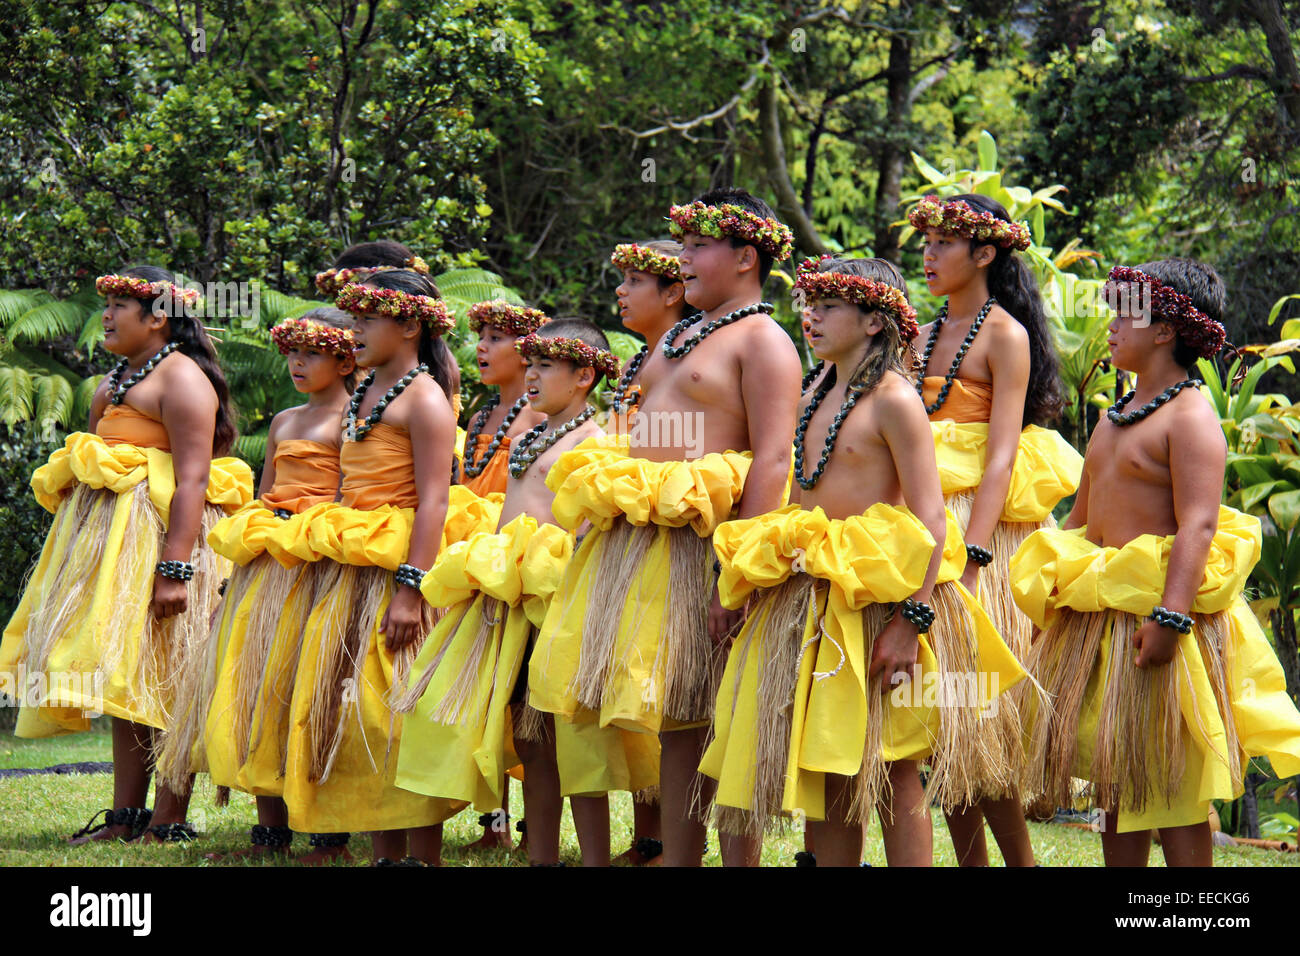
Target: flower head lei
331 281
1142 292
396 304
572 350
859 290
514 319
961 219
728 219
629 255
304 333
135 288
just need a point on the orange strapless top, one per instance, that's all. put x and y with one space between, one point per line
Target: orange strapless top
306 473
124 425
379 470
967 401
492 479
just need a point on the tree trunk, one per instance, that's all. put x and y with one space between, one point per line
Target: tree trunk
1284 637
889 162
1250 808
788 205
1286 75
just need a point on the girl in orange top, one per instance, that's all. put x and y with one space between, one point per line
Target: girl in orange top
265 605
369 619
114 617
499 325
989 359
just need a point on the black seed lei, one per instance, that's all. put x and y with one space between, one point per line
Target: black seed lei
619 403
356 432
474 468
677 351
811 376
1132 418
117 388
957 359
851 396
523 454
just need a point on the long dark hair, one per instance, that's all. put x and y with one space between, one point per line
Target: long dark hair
382 252
190 337
433 351
1012 283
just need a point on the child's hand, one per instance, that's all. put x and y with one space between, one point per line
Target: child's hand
1155 644
723 624
169 597
403 622
894 654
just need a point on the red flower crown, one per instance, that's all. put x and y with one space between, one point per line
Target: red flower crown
1202 334
331 281
305 334
573 350
859 290
396 304
514 319
960 219
130 286
771 236
629 255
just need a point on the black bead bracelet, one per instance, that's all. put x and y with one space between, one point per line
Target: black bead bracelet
1182 623
409 575
977 555
176 570
922 615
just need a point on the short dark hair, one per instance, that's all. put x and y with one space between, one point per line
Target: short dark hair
750 203
1200 283
367 255
575 328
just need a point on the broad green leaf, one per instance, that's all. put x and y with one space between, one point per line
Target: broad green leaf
988 150
1285 509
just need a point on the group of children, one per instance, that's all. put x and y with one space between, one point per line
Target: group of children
746 594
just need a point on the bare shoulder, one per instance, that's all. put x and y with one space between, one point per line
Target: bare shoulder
1192 419
896 396
588 429
284 421
764 342
1003 330
178 370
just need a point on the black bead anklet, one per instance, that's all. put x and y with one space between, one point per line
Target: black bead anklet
270 836
977 555
330 840
174 832
137 818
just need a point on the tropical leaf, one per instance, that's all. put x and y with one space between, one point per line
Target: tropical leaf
16 393
16 302
49 320
54 400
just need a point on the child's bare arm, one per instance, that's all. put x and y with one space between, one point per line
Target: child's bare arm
1197 456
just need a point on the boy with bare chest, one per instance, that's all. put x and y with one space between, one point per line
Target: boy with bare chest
1164 684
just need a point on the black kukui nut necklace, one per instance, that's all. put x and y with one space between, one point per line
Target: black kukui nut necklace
524 453
474 468
811 376
957 359
117 388
356 432
619 404
851 396
677 351
1132 418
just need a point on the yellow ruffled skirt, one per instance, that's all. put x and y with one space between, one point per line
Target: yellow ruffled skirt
82 641
796 702
343 738
258 636
1047 470
1157 744
626 636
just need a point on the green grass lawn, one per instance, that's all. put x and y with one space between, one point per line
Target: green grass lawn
41 810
